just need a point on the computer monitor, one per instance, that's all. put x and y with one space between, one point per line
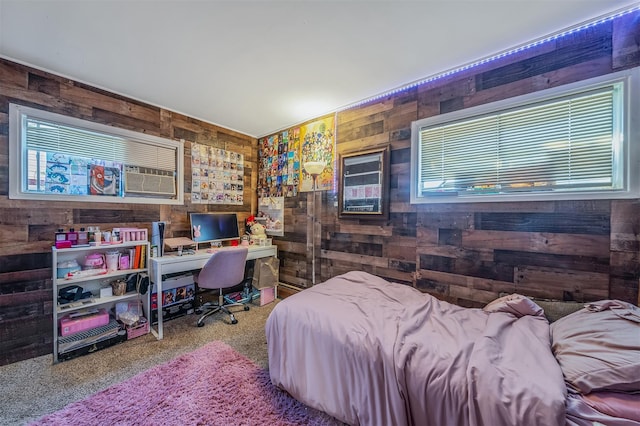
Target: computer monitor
209 227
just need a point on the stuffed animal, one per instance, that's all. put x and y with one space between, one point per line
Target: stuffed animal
258 230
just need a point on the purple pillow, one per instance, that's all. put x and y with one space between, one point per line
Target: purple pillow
598 347
515 304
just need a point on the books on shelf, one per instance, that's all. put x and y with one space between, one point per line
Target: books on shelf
136 257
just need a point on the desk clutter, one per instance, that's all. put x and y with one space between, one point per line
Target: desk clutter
100 263
179 293
170 265
101 285
93 236
178 297
86 330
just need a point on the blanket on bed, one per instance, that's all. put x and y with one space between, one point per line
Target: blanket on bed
371 352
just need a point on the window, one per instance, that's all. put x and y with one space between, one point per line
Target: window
56 157
571 142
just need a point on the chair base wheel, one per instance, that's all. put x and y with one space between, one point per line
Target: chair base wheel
200 324
234 321
246 308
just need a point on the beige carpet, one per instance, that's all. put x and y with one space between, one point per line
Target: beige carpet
35 387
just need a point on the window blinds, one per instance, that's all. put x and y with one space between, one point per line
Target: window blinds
563 144
42 135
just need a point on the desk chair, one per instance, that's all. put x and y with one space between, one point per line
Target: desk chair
224 269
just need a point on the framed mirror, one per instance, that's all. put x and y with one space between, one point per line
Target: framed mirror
364 184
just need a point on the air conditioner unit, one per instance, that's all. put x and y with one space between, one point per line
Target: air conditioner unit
148 183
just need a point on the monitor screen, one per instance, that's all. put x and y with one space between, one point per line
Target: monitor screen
207 227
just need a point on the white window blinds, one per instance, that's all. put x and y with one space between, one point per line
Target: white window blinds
42 135
566 143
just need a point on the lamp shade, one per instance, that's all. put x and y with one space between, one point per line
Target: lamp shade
314 167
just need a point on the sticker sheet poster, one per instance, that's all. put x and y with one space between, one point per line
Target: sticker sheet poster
73 175
279 170
217 175
317 144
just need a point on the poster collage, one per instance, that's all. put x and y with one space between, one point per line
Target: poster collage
217 175
282 157
72 175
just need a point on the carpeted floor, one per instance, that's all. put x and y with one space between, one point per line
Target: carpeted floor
35 387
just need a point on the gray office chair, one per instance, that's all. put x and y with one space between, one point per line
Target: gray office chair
223 270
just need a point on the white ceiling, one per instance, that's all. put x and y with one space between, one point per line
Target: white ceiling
260 66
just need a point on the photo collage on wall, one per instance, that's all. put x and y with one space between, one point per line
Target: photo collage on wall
279 157
217 175
282 156
73 175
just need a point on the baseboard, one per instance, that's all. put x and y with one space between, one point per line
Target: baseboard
286 290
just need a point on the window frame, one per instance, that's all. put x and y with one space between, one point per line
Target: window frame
630 143
18 148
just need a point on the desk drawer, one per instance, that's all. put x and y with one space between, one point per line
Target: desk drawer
188 265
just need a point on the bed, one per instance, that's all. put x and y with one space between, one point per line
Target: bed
371 352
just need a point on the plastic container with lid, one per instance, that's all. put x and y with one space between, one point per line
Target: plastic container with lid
94 261
66 267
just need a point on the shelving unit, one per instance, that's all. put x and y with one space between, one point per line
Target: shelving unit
66 347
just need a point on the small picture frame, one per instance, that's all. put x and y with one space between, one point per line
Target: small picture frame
364 184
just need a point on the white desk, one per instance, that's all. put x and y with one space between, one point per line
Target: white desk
172 263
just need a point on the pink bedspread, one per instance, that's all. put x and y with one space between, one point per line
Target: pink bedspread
371 352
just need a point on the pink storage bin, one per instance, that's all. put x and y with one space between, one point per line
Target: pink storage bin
76 325
138 330
267 295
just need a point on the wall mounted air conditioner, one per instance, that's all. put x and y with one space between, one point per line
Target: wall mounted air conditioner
149 183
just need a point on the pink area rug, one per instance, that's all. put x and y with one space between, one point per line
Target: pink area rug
213 385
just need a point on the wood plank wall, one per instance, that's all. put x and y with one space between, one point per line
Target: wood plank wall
27 227
471 253
465 253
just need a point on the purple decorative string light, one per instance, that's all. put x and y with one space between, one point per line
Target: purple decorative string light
535 43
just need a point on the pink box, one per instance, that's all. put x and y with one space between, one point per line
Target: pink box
138 330
267 295
76 325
